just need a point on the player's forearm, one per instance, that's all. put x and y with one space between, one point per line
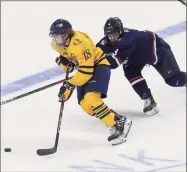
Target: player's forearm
113 60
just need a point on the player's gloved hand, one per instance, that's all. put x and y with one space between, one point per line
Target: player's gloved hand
64 61
65 91
70 67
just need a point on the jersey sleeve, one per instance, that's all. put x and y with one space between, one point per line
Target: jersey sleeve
101 44
98 44
86 64
121 55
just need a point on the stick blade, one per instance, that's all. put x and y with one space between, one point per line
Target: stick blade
43 152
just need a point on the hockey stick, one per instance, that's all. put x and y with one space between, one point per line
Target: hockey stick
184 2
33 91
43 152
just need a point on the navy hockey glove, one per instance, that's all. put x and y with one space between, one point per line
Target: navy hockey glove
65 91
64 61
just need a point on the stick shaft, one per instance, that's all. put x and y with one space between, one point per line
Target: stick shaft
43 152
60 118
33 91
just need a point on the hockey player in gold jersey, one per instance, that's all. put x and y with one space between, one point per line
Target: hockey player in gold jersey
77 51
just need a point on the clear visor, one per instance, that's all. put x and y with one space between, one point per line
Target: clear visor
113 37
59 40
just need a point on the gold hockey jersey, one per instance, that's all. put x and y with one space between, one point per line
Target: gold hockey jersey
84 54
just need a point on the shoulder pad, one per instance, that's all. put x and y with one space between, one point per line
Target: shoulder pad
125 30
103 41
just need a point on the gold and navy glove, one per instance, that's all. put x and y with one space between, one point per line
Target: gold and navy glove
64 61
70 67
65 91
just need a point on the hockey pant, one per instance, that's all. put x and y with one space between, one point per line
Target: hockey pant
93 105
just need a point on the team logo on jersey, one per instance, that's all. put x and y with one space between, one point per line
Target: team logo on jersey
103 42
125 63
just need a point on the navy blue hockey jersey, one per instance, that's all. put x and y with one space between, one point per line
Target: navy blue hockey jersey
133 47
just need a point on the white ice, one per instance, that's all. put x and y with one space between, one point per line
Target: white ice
30 123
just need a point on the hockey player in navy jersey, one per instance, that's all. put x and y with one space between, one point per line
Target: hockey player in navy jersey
134 49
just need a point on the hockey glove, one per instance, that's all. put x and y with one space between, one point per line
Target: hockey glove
64 61
70 67
65 91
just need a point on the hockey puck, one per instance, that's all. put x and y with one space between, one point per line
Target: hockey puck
7 149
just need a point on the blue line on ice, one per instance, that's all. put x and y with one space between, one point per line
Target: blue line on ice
57 71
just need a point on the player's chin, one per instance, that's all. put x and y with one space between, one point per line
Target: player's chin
113 42
61 44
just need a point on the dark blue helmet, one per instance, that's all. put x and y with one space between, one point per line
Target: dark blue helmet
112 25
60 27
